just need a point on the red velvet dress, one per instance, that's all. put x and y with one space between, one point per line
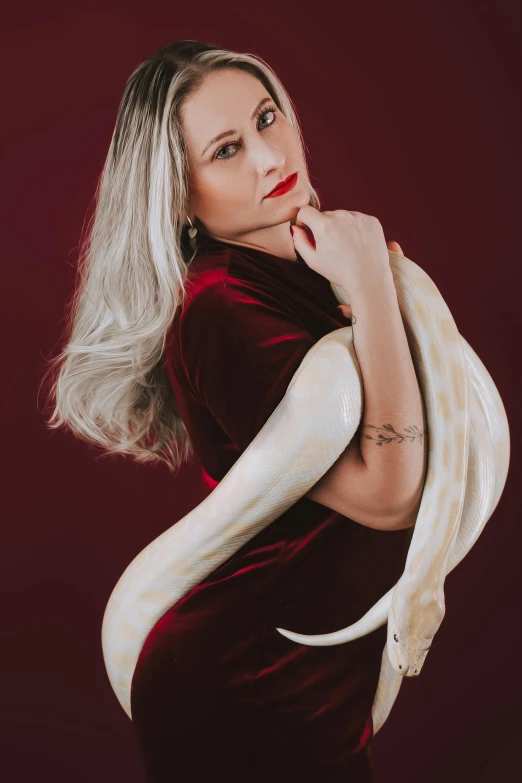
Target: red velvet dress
217 692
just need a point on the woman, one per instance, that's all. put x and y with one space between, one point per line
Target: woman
183 345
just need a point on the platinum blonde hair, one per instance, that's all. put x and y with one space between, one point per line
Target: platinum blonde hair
108 384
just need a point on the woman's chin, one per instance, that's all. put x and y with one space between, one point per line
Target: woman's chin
298 201
303 199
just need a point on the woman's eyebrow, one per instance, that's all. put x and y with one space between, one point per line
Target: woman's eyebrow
230 132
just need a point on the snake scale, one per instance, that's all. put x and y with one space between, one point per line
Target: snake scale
468 461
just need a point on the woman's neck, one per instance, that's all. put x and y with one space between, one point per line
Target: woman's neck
276 240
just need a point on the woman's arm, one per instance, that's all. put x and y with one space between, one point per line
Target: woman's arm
381 485
349 488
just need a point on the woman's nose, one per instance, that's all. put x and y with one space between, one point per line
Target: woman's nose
271 160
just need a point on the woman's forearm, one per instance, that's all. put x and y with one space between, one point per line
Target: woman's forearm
393 437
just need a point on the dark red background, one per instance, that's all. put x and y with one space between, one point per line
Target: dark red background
410 112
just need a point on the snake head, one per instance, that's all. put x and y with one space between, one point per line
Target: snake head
412 628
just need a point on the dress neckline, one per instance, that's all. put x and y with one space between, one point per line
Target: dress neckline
283 263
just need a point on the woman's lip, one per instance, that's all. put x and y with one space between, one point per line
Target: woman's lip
284 187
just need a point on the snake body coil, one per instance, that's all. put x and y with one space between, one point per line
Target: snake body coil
468 460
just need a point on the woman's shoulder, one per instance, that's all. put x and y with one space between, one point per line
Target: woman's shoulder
221 277
215 298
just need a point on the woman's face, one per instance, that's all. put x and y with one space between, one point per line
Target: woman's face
230 178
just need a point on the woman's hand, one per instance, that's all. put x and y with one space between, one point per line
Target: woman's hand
345 309
348 248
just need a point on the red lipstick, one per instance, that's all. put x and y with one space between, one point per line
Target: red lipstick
284 186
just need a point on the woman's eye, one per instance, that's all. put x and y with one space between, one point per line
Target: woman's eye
268 111
223 148
235 143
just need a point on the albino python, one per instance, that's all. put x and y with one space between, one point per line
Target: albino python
468 460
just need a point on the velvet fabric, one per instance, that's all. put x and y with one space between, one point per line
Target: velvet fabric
217 691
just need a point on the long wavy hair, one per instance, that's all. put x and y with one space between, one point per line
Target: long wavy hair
108 384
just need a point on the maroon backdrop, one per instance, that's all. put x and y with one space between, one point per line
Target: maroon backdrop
410 112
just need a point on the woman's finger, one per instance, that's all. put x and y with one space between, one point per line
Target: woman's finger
395 247
346 310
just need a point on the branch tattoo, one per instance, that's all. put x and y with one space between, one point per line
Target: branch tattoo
410 434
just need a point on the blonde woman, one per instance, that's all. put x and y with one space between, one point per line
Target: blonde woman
194 308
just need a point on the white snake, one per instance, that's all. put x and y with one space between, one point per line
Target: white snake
468 460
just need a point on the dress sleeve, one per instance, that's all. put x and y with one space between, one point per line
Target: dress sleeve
240 351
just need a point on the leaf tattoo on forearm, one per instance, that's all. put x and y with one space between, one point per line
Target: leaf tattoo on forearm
410 434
